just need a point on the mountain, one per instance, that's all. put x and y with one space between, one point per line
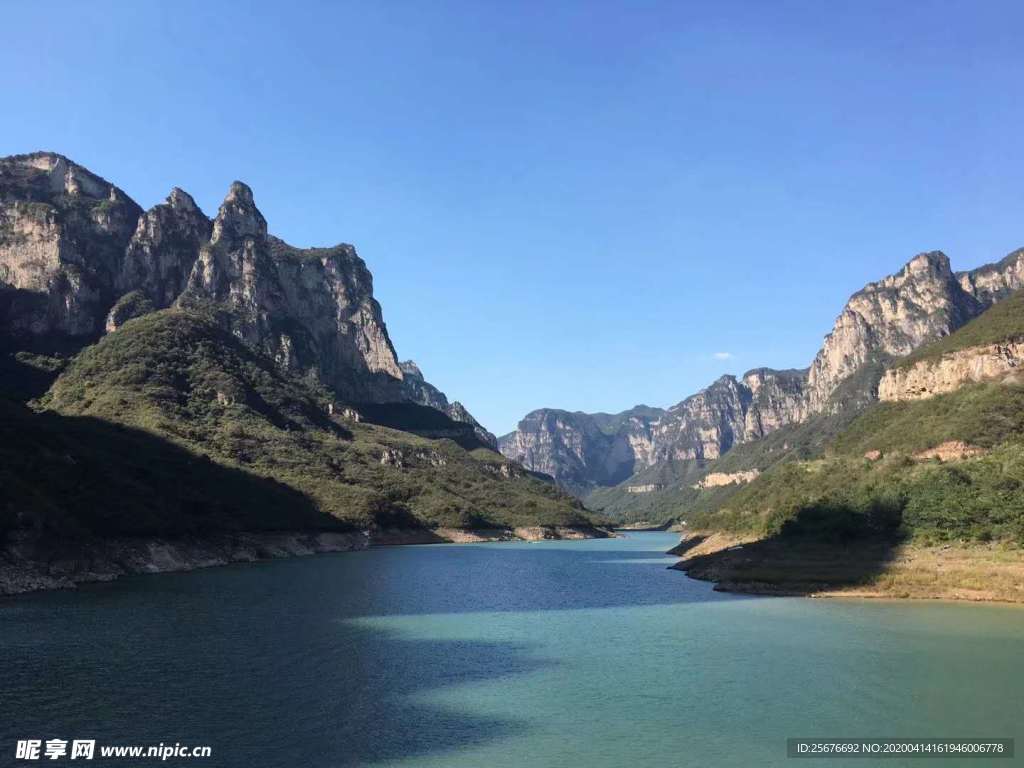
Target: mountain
669 454
177 392
581 450
922 494
63 235
419 390
78 258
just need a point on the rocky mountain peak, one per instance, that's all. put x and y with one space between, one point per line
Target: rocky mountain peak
181 200
890 318
238 216
994 282
239 192
63 231
409 368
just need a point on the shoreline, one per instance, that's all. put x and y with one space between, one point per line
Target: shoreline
33 566
863 570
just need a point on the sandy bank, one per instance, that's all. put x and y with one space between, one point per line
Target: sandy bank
866 569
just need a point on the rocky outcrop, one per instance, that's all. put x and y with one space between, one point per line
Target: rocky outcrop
951 450
581 450
730 411
718 479
896 315
310 310
164 248
995 282
417 389
928 378
133 304
63 234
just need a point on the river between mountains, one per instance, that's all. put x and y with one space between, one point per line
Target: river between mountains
581 653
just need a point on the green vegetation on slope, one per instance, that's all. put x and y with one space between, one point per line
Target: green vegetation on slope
191 388
980 499
977 498
983 415
72 476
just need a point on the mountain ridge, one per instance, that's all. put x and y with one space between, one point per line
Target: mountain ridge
78 257
883 321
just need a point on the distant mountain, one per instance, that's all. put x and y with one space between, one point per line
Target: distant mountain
652 464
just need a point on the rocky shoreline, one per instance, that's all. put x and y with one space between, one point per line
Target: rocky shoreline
29 565
865 569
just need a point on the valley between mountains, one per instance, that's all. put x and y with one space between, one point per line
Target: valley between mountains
178 391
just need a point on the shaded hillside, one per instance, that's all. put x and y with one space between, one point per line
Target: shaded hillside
179 376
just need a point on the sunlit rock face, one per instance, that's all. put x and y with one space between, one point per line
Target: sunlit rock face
582 451
164 248
928 378
418 390
579 450
311 310
63 234
893 317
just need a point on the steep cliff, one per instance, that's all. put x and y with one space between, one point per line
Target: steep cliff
417 389
988 348
896 315
311 310
63 235
163 249
993 282
730 411
582 451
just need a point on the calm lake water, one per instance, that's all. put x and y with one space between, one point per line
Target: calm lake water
567 654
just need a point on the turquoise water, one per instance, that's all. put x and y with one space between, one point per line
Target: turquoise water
548 654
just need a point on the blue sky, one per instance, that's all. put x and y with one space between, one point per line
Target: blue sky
573 205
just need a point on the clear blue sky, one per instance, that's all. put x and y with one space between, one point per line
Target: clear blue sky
563 204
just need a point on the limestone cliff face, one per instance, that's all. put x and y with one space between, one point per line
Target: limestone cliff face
995 282
893 317
928 378
418 390
311 310
730 411
63 233
164 248
583 450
